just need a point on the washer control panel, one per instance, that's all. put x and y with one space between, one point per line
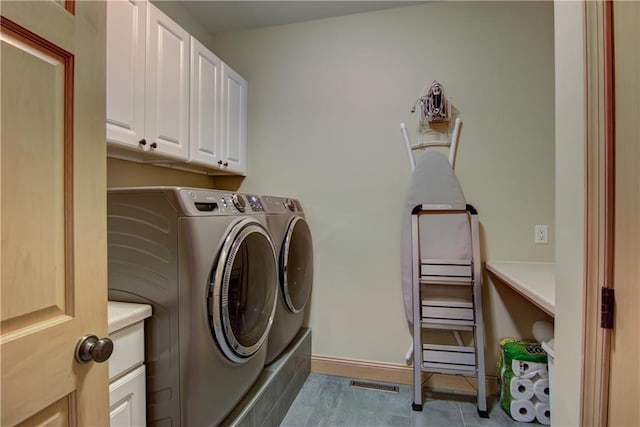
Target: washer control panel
212 202
255 203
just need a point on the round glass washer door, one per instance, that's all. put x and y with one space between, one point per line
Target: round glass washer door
243 291
296 264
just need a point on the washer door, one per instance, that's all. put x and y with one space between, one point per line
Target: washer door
243 291
296 264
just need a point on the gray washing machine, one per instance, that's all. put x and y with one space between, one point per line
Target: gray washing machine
205 262
292 237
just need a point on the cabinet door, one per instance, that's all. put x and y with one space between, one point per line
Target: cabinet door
167 88
234 120
205 116
126 39
127 402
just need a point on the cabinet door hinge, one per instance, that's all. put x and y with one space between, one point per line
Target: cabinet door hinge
607 304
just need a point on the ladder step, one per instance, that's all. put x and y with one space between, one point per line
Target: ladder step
447 313
461 272
448 368
443 302
446 261
431 280
453 324
455 348
449 371
445 355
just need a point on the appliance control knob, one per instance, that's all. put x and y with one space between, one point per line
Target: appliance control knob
290 204
238 202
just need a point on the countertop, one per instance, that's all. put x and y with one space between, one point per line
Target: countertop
536 281
123 314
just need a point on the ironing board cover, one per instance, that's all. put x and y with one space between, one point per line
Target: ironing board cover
442 235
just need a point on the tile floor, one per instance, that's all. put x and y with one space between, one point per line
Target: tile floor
329 401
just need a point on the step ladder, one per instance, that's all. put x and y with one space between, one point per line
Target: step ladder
456 311
453 313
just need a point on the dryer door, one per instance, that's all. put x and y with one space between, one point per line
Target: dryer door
243 291
296 264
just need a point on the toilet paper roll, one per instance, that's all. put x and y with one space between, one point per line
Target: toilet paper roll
542 331
543 412
541 389
521 388
525 369
523 411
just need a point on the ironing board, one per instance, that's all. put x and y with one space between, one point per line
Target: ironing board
441 274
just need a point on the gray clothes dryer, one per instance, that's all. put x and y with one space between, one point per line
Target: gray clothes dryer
205 262
292 236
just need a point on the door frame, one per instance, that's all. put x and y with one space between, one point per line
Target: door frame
600 191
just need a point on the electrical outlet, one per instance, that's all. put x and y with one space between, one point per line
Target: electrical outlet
541 236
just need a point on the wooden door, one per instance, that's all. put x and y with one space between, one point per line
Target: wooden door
205 117
167 85
53 180
234 120
624 379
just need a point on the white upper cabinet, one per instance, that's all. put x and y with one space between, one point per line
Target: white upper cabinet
234 120
206 97
218 113
126 22
167 88
169 99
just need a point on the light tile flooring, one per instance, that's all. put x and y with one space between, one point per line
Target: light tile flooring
329 401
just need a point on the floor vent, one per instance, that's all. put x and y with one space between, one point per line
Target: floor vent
375 386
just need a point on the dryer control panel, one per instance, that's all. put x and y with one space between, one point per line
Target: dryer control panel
274 204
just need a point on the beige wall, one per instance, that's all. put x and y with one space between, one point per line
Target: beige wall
570 218
121 173
325 102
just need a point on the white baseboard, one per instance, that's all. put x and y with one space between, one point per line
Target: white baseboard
396 373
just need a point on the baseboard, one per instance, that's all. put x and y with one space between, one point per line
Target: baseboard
395 373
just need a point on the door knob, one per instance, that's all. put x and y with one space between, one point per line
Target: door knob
91 348
154 145
142 142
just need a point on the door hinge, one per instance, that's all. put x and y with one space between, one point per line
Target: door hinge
607 303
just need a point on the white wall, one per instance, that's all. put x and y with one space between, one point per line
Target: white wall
325 102
570 216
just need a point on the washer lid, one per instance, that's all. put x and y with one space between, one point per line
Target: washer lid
243 291
296 264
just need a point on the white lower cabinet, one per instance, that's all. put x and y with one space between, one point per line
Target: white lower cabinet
127 400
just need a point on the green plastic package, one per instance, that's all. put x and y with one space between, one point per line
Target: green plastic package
517 361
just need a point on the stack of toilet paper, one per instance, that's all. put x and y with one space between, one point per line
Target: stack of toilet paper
524 381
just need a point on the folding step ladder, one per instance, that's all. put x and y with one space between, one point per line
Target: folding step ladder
454 314
446 291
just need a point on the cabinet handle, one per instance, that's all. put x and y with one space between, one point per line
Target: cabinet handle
226 164
220 162
154 145
142 142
